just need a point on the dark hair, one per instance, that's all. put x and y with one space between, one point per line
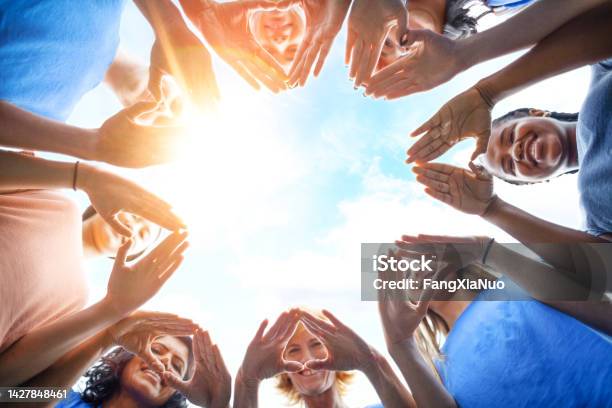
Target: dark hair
103 378
460 21
525 113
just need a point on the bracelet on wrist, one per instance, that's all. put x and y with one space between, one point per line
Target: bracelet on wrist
487 250
75 175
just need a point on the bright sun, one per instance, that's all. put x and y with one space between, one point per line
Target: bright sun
234 163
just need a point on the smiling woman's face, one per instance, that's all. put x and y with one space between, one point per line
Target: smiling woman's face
145 385
528 149
302 347
279 32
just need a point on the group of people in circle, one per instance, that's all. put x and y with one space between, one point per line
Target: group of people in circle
552 350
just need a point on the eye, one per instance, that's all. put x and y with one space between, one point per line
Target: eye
156 348
177 367
316 344
511 167
293 350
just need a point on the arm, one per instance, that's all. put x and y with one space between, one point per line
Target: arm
178 52
122 140
522 30
435 59
128 288
245 392
40 348
390 390
24 130
108 193
428 390
584 40
400 319
127 77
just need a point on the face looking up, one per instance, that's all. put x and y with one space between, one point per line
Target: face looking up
530 149
280 33
145 385
302 347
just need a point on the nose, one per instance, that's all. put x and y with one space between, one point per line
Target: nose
279 38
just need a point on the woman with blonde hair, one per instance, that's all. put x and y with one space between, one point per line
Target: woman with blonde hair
312 356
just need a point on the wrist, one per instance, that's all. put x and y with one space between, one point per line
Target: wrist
487 92
491 208
400 347
246 379
466 55
85 176
113 311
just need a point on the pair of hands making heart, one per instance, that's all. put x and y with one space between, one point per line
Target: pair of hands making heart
210 383
265 357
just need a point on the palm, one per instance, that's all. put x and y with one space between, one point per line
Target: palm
400 319
468 192
466 115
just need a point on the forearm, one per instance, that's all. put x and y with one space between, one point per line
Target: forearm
583 40
41 348
245 392
162 15
20 171
390 390
24 130
544 238
427 389
66 371
541 280
522 30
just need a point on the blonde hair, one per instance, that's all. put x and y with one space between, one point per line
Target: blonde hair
433 329
285 386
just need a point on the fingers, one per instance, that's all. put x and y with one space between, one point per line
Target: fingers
151 360
167 274
121 257
245 75
446 169
403 31
481 147
480 172
319 364
356 58
369 58
144 107
446 198
165 248
431 123
175 382
431 174
261 329
114 222
292 366
351 39
323 53
430 141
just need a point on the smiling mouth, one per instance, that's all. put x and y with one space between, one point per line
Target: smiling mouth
529 151
153 375
308 372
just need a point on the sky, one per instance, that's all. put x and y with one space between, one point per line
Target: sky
282 189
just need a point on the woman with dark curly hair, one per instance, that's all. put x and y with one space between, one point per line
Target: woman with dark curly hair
121 377
193 370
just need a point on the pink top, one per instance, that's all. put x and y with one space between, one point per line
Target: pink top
41 261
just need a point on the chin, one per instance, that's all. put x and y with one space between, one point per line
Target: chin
311 383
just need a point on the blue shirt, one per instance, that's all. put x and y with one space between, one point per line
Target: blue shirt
594 143
525 354
54 51
73 400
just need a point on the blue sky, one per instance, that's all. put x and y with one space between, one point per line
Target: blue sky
282 191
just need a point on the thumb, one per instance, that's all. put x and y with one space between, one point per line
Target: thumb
119 227
481 147
152 361
318 364
175 382
292 366
412 36
403 32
